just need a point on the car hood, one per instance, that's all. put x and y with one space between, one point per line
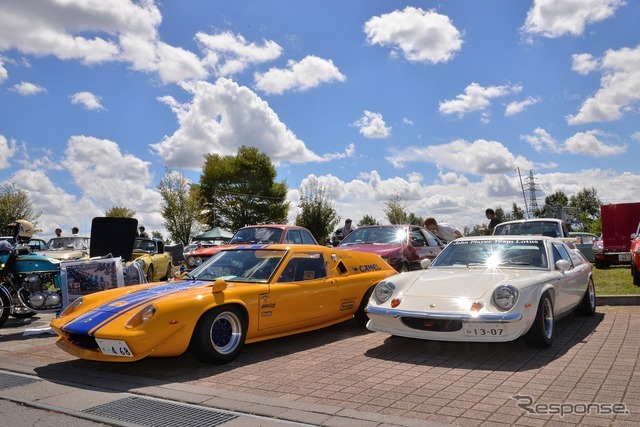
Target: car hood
64 254
471 283
383 250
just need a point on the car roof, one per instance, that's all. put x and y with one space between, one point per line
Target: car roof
281 226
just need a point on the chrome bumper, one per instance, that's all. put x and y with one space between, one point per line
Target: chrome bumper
465 317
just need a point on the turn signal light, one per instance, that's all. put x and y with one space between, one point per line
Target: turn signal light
395 302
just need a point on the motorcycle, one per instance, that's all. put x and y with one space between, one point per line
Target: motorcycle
29 283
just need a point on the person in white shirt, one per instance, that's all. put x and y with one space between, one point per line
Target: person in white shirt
444 231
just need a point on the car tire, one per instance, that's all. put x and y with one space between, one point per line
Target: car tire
219 336
5 308
601 264
587 305
636 275
150 274
361 314
168 275
541 333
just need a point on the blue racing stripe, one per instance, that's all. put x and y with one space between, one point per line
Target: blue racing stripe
89 322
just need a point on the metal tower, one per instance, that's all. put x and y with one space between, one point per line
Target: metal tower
531 187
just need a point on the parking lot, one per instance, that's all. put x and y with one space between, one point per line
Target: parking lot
345 375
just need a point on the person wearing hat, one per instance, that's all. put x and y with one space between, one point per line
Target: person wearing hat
347 228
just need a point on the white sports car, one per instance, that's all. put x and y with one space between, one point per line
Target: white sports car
491 288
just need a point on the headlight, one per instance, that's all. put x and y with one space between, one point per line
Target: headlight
72 307
142 317
194 261
383 291
505 297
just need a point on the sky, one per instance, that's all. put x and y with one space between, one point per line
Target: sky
454 106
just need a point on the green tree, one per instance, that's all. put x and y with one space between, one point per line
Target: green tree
15 203
368 220
587 205
395 210
552 202
180 207
317 213
120 212
241 190
516 212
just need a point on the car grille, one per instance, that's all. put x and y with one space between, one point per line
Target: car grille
83 341
432 325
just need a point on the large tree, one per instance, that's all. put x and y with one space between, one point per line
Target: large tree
241 190
15 203
120 212
395 209
368 220
317 213
180 207
587 205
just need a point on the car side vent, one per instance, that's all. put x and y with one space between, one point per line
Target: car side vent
342 268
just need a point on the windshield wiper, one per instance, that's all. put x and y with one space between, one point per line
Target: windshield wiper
190 276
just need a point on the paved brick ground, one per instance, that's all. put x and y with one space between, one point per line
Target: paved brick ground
594 360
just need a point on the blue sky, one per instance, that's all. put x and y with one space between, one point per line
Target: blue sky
438 102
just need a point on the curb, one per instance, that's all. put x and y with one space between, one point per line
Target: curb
618 299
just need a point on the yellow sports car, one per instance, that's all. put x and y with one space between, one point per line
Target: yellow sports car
241 295
155 261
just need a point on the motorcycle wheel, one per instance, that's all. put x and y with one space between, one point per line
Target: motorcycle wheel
5 308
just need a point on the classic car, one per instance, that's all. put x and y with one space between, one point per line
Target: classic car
635 256
584 243
35 245
264 233
402 246
156 262
551 227
490 288
241 295
67 248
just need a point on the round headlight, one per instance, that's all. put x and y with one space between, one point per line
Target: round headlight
505 297
383 291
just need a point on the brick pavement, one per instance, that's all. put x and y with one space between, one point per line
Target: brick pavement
373 376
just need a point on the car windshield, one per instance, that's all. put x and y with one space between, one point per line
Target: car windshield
144 245
518 253
530 228
68 243
257 235
240 265
376 235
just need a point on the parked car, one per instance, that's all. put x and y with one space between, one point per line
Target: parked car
402 246
635 256
241 295
487 288
584 242
619 220
35 245
68 248
156 262
254 234
551 227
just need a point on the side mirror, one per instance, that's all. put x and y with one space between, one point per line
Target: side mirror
563 265
425 263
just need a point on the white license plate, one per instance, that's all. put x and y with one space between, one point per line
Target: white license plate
114 348
624 257
484 330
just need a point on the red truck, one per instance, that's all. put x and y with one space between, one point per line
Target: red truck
619 221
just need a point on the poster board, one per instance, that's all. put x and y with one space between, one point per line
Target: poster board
88 276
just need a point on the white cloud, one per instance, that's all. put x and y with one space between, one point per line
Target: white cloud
541 141
372 125
220 118
636 136
619 91
516 107
227 53
480 157
96 32
556 18
7 151
4 74
28 89
475 98
88 100
421 36
584 63
300 76
589 143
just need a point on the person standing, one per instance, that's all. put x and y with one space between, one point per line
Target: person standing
347 228
443 230
75 231
493 220
142 233
58 232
